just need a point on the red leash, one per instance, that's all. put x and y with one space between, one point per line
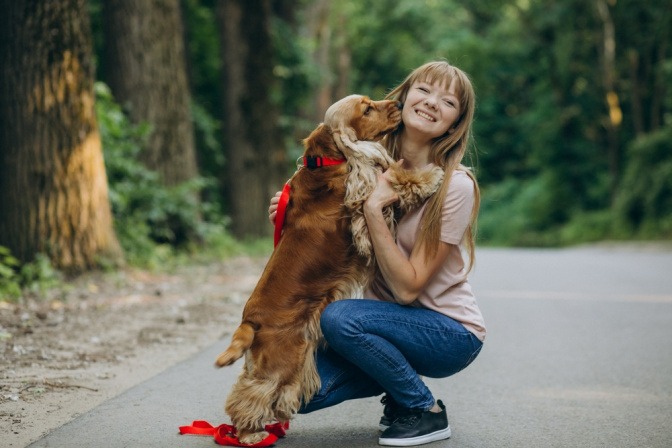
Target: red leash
280 216
226 434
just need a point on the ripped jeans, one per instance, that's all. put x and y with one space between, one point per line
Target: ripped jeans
377 347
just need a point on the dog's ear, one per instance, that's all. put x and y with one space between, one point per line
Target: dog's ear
320 142
349 133
347 137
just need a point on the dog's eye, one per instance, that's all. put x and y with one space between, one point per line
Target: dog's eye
368 109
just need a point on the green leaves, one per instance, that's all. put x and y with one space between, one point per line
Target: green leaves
10 287
152 220
15 278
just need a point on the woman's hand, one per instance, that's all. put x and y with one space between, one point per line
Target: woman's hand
383 194
273 207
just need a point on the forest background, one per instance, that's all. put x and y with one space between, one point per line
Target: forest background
153 132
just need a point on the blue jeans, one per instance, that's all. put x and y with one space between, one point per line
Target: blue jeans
377 347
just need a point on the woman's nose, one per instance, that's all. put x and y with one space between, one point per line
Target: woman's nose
429 102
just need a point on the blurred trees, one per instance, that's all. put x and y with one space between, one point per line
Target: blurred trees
572 132
145 67
53 186
253 146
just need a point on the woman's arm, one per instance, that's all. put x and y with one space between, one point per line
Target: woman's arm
406 277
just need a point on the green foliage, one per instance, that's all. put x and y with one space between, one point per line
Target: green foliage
550 171
644 200
10 283
155 224
34 277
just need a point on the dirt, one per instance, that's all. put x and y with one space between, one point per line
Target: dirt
67 352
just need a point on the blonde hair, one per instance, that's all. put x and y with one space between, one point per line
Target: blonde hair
447 150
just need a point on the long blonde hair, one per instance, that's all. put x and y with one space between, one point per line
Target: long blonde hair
447 150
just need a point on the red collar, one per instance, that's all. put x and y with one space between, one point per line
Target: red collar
312 162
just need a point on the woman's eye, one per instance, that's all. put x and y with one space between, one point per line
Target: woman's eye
423 89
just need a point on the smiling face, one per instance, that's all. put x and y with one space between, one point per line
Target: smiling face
431 109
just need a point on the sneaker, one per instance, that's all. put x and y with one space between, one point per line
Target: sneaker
390 412
415 427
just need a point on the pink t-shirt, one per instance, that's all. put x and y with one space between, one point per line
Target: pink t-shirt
448 292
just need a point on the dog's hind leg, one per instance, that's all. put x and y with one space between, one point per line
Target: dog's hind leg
300 385
249 405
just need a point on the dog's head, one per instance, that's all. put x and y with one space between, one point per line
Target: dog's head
359 118
350 125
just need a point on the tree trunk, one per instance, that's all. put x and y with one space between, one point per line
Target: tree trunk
320 31
255 154
344 65
53 186
146 71
613 124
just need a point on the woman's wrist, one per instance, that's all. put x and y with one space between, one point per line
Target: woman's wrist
371 210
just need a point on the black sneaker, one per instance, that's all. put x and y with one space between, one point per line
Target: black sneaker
415 427
390 412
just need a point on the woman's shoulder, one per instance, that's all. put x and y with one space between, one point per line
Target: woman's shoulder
462 174
461 182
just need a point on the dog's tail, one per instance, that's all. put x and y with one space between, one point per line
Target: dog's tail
240 342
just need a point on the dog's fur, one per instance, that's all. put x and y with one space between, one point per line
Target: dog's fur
315 262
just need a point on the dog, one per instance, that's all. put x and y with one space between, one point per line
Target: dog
324 255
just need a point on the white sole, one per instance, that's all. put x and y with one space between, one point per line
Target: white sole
412 441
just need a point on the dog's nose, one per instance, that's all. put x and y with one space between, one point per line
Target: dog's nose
400 105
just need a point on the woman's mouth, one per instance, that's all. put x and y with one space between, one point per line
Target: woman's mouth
425 115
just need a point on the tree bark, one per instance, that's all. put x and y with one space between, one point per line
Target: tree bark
146 71
255 153
53 186
613 124
320 31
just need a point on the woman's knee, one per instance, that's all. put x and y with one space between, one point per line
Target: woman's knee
336 319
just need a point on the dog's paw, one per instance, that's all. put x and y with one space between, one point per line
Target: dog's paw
251 438
414 187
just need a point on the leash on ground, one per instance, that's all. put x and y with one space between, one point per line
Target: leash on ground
226 434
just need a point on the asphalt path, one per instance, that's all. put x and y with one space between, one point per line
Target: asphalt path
578 354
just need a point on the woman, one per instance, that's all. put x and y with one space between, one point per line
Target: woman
420 316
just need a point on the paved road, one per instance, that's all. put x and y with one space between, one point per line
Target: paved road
579 354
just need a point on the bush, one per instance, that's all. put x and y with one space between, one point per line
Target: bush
10 283
154 223
151 220
644 200
15 279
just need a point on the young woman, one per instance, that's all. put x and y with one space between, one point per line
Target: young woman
420 317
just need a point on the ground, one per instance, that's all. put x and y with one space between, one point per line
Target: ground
103 333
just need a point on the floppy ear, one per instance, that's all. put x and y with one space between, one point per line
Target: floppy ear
321 142
348 132
347 138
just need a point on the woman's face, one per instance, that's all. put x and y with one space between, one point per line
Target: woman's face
430 109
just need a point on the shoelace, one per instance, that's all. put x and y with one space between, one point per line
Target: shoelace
408 420
391 407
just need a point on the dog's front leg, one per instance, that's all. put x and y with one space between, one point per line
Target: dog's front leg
414 187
